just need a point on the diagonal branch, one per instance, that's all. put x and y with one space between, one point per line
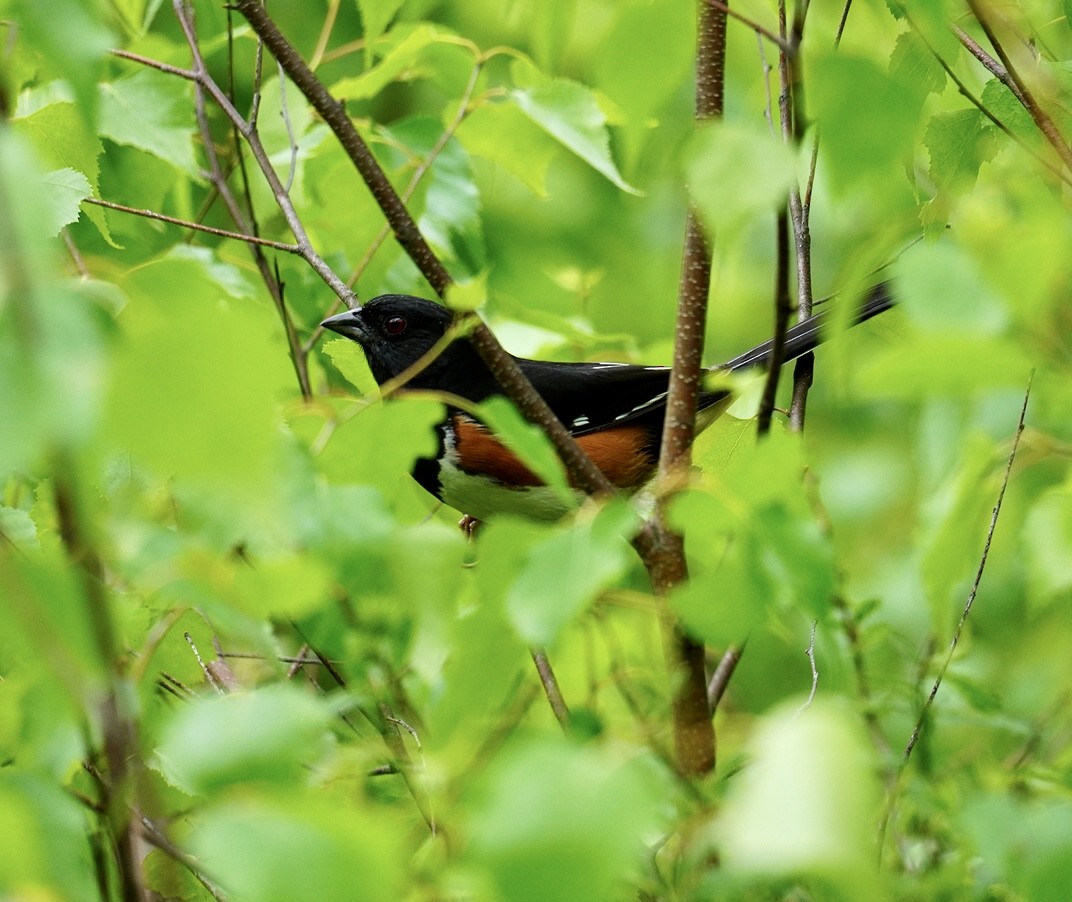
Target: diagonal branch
503 367
1043 121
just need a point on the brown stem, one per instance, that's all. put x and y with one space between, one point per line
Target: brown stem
1042 119
782 310
551 687
663 550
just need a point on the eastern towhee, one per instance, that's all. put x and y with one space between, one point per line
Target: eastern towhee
614 410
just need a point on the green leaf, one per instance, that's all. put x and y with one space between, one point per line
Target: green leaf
958 144
501 133
50 345
376 15
758 166
914 66
401 62
150 111
867 120
196 380
18 527
568 570
944 364
942 289
811 775
268 735
62 193
350 360
305 849
570 114
1048 541
72 42
997 98
527 441
61 139
551 821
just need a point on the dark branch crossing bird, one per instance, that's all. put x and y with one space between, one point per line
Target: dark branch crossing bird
615 411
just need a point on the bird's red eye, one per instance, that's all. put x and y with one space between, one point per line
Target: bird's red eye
395 325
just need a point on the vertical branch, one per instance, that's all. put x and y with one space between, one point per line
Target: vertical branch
790 107
694 736
117 729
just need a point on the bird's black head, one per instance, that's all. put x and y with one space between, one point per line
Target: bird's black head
395 331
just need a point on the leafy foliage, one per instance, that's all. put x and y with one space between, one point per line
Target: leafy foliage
232 627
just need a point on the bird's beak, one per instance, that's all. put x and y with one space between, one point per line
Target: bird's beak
347 324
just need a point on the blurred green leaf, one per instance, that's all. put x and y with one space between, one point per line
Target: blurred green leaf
71 42
267 735
1048 542
501 133
812 778
758 165
44 833
265 849
942 290
867 120
405 45
376 15
554 821
568 570
915 66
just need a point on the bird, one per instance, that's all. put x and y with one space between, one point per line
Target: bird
615 411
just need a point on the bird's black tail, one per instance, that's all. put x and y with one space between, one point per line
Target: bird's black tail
808 335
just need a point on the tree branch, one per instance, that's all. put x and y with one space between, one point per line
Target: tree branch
502 366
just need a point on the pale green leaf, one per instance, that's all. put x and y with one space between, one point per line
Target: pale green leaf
501 133
738 172
150 111
401 62
300 849
62 193
568 570
263 736
569 113
527 441
807 801
958 144
553 821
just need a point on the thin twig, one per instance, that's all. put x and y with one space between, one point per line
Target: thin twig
154 835
754 25
551 687
810 652
720 679
195 226
926 707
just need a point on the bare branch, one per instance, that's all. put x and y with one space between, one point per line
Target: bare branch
551 687
926 707
1042 119
196 226
720 679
